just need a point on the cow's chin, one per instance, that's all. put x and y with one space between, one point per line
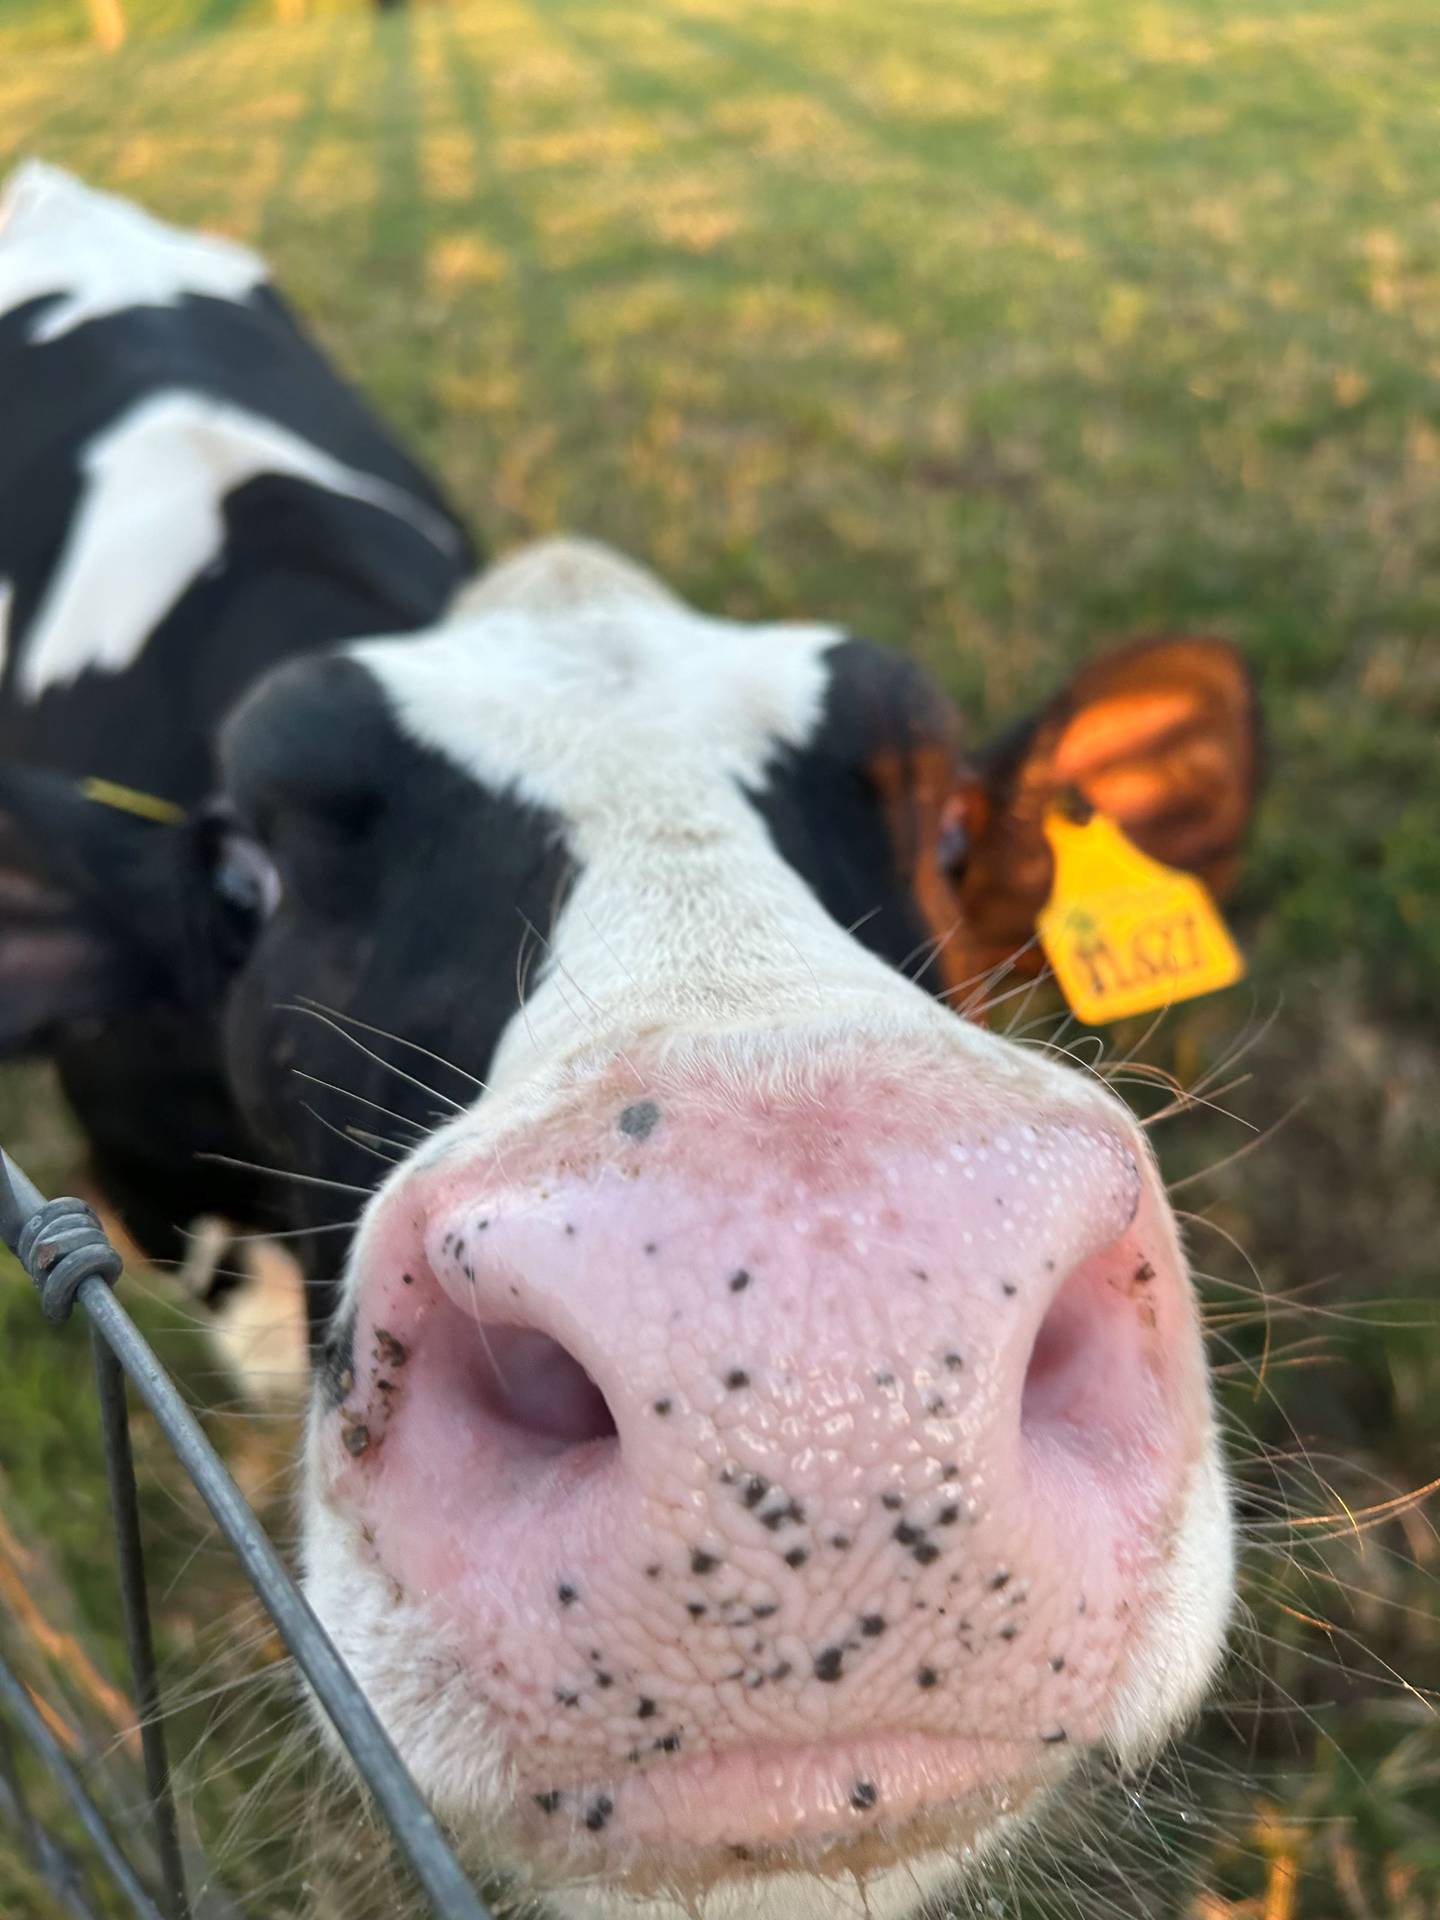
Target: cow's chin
884 1874
756 1816
754 1831
758 1830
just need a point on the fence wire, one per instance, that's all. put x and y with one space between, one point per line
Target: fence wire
63 1248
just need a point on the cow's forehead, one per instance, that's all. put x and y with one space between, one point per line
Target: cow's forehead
596 703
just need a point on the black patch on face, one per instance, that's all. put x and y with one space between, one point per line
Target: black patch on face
412 897
826 816
640 1120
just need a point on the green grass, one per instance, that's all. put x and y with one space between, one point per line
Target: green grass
995 330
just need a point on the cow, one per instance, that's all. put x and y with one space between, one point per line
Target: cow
188 495
759 1442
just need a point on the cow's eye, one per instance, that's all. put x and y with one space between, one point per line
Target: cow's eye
963 820
244 882
955 838
953 849
245 877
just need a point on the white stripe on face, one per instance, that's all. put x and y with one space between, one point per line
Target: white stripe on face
640 724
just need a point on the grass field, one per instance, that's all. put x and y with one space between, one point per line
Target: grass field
995 330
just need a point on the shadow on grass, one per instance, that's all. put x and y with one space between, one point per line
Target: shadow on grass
399 221
302 133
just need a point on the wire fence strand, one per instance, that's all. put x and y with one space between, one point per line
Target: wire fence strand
26 1718
62 1875
135 1602
63 1248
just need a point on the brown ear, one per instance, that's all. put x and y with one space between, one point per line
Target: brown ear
1161 735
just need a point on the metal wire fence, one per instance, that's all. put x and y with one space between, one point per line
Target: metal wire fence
63 1248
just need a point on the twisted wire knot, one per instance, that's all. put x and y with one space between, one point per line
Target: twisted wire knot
61 1247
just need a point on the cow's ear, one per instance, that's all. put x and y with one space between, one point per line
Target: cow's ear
90 924
1162 736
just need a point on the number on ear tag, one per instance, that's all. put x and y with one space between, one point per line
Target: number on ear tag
1124 933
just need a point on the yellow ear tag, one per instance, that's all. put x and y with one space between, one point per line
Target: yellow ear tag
1124 933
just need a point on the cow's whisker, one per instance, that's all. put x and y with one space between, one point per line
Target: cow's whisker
305 1004
389 1066
348 1093
284 1173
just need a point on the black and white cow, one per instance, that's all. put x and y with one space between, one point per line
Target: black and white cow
188 496
761 1436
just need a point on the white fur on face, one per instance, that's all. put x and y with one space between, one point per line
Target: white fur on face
170 461
895 1893
572 681
103 254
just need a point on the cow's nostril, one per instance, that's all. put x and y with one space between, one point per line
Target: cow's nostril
530 1381
1055 1360
1075 1382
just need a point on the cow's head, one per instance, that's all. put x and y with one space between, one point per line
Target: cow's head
761 1436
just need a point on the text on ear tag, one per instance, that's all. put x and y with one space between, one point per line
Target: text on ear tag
1124 933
